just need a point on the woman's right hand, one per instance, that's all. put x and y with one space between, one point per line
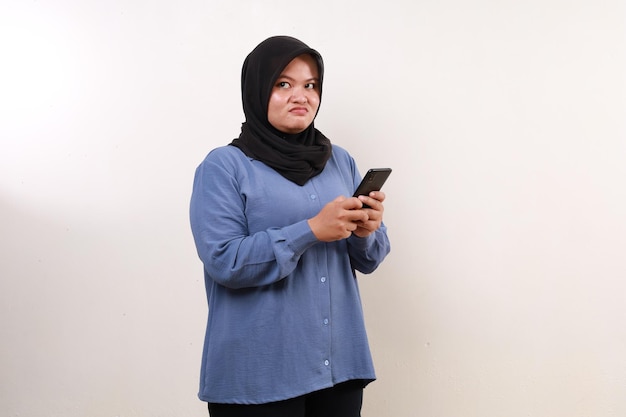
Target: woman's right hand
338 219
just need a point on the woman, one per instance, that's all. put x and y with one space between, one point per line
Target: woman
280 244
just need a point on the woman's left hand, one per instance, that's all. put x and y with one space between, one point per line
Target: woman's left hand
374 212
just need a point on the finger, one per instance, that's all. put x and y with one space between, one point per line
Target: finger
378 195
371 202
351 226
351 203
357 216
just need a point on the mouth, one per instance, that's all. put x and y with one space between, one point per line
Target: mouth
299 111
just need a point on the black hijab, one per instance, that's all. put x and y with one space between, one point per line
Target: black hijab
296 157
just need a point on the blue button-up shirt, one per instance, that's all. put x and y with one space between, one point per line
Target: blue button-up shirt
285 316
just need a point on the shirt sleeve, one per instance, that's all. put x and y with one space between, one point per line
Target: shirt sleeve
368 252
231 256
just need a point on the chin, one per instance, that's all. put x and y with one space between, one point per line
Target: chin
294 130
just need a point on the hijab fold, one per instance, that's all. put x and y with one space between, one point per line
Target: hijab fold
297 157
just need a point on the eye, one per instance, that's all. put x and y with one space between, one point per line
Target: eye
310 86
283 84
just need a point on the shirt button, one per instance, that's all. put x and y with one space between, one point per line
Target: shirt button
326 362
323 279
325 321
313 196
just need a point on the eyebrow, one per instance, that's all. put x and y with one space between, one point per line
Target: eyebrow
292 79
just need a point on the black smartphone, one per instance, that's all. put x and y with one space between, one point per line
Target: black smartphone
372 181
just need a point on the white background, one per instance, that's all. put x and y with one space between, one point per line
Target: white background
504 122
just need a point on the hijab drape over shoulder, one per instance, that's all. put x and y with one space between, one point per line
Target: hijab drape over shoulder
296 157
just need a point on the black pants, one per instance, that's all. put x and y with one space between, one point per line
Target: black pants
342 400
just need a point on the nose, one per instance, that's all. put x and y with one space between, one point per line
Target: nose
298 95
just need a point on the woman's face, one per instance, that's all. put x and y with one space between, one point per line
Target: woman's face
295 97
